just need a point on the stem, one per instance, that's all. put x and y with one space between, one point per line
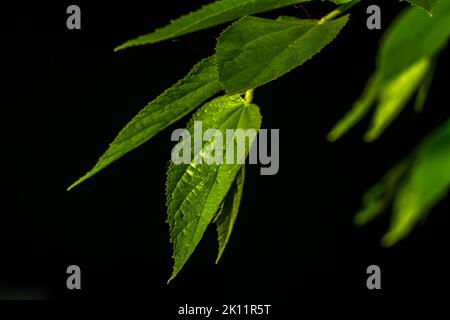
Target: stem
249 96
338 11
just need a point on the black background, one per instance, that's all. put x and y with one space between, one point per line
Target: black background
294 237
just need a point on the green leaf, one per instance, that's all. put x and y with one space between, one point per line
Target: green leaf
428 182
358 110
404 65
199 85
254 51
412 187
428 5
228 212
378 198
394 95
413 36
424 88
196 190
208 16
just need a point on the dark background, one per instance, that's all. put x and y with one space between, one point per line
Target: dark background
294 237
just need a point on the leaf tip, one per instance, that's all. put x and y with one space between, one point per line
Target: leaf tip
332 136
388 240
119 48
370 136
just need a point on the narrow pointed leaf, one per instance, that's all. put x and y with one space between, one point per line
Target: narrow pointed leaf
208 16
358 111
196 189
199 85
228 213
378 198
428 182
254 51
394 95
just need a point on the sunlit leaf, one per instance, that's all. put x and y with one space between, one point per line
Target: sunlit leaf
394 95
358 111
404 66
254 51
379 198
208 16
196 189
428 182
413 36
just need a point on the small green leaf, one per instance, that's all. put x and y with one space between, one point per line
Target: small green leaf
428 5
378 198
254 51
412 36
394 95
199 85
428 182
196 190
208 16
358 111
228 212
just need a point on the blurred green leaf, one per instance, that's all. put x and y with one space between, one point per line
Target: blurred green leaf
210 15
427 182
254 51
394 95
424 88
412 187
405 65
358 110
411 37
378 198
196 190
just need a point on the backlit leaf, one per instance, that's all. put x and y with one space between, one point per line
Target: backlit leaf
196 189
208 16
428 182
254 51
413 36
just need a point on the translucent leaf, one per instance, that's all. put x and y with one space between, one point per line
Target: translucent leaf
404 66
199 85
394 95
358 111
196 189
254 51
424 88
228 212
378 198
412 36
427 183
412 187
208 16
